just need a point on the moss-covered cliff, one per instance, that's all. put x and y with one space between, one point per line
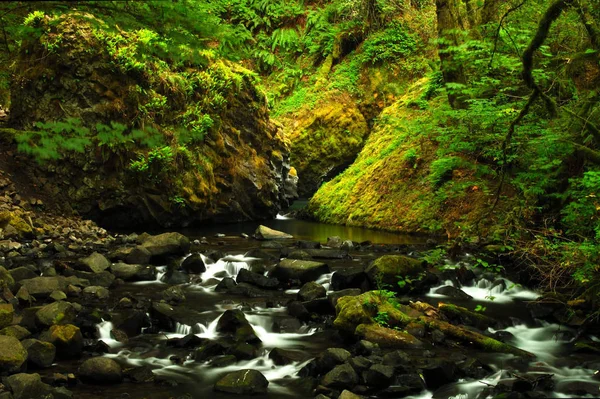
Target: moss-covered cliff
144 132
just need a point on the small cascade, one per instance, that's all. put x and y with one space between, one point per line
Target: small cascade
501 290
160 272
282 217
104 329
229 266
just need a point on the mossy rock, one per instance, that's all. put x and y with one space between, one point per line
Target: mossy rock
243 382
387 270
6 279
387 337
12 355
55 313
7 313
67 339
15 220
15 331
465 316
352 311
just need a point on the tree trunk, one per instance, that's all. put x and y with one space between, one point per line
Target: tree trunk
446 24
489 12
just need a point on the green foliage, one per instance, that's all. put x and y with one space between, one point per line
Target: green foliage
441 170
53 139
480 308
154 166
581 215
390 45
34 19
492 267
382 318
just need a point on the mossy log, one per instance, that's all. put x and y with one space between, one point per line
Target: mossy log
465 316
476 339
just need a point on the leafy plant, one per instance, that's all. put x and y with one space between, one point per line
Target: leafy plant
382 318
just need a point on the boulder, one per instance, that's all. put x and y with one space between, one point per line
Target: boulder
246 276
330 358
378 375
342 376
311 291
334 242
194 264
346 394
135 272
28 386
166 244
95 293
6 279
137 255
58 295
303 270
15 331
6 314
39 353
95 263
384 271
242 382
12 355
173 294
354 277
103 279
100 370
334 296
281 357
234 323
43 286
265 233
55 313
22 273
66 338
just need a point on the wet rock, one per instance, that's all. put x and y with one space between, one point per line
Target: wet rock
129 272
397 359
27 386
243 351
403 385
16 331
342 376
138 255
386 269
39 353
94 263
350 278
311 291
327 254
282 357
225 285
95 293
439 374
346 394
378 375
55 313
7 313
249 291
297 309
175 277
12 355
452 292
67 339
58 295
265 233
234 323
173 295
22 273
364 347
303 270
246 276
299 254
140 374
43 286
166 244
242 382
189 341
6 279
194 264
303 244
360 363
222 361
334 242
100 370
334 296
103 279
271 245
387 337
330 358
320 306
208 350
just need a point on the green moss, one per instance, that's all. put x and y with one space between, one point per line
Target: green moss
352 311
387 337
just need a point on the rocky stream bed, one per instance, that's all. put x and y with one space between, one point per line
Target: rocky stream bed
88 314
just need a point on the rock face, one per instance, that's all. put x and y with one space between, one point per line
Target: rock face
325 140
243 382
12 355
101 370
231 165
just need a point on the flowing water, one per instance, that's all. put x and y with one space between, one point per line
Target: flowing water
502 299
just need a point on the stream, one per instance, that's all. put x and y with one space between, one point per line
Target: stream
575 374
